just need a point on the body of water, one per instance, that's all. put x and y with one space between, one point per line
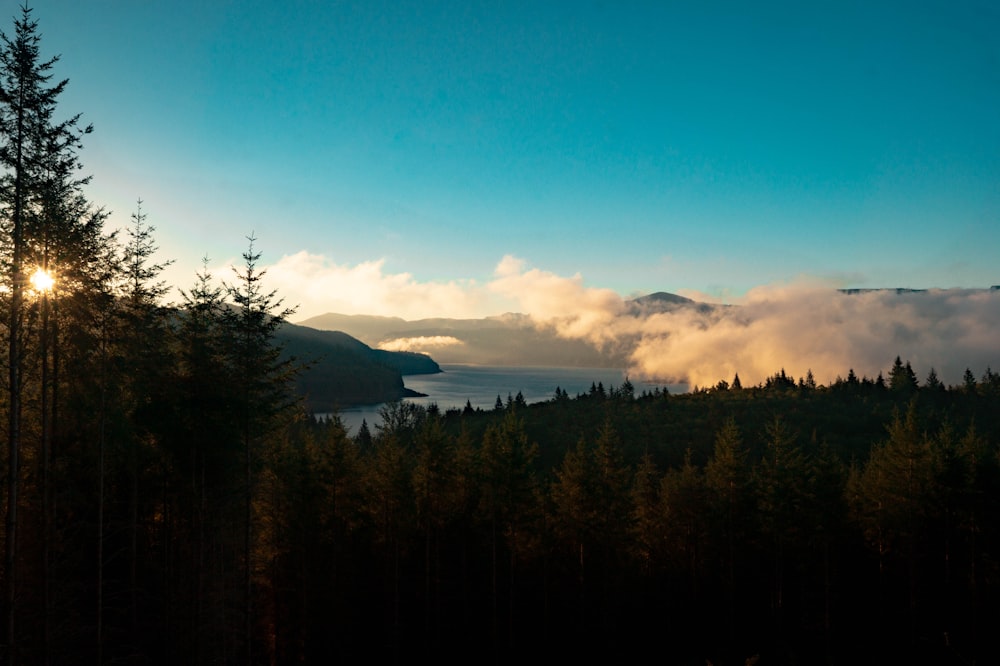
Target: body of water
481 384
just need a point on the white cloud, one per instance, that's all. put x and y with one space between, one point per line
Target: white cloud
422 343
799 329
317 286
800 326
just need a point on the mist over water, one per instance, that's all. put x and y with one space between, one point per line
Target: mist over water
481 384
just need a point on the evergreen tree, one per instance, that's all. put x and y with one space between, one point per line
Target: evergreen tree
364 436
264 382
144 354
969 381
508 503
38 160
434 497
684 507
727 477
783 484
574 518
390 497
645 522
932 382
902 379
891 501
205 450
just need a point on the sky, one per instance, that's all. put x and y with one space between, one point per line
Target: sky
465 159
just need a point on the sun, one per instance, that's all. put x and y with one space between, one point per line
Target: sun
42 280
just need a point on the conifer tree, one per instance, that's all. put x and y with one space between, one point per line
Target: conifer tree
263 379
144 353
434 494
783 485
36 153
727 476
389 494
684 507
891 496
645 523
507 500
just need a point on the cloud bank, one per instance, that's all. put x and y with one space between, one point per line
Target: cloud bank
316 286
799 327
422 343
802 329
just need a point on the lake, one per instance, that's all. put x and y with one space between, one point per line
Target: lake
481 384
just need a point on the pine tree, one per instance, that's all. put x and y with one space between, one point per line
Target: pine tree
264 380
144 353
434 494
684 507
38 160
727 476
891 498
645 522
902 379
508 502
783 484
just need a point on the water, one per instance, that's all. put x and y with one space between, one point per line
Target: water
481 384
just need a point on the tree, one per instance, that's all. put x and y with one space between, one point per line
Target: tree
969 381
890 500
144 353
264 380
390 495
646 519
727 477
575 512
684 508
204 454
35 150
434 495
783 484
932 382
902 379
508 501
591 494
364 436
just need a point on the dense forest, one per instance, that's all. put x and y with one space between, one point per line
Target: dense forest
169 497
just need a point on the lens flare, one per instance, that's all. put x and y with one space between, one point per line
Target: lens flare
42 280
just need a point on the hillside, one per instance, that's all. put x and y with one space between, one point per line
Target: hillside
342 371
510 339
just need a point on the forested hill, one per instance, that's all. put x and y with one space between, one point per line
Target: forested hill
342 371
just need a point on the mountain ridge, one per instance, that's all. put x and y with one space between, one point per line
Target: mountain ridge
339 370
509 339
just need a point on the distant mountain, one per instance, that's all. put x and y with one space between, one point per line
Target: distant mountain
663 301
898 290
662 298
343 371
510 339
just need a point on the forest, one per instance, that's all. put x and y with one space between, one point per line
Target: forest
170 498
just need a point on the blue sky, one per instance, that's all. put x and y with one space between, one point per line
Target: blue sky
397 157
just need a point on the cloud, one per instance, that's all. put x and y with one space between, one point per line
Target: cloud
423 343
562 303
807 328
800 326
317 286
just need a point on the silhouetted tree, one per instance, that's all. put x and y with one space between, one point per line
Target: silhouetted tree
36 153
264 382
